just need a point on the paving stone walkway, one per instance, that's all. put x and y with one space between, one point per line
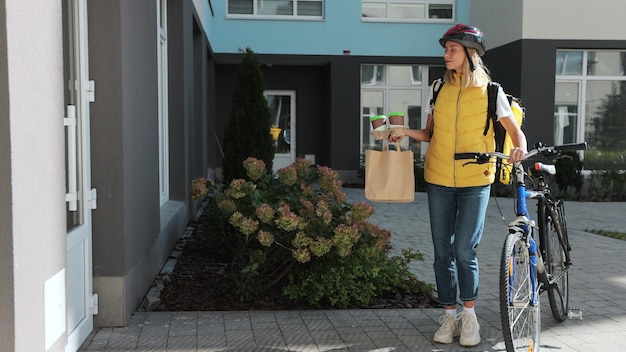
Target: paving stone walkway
597 285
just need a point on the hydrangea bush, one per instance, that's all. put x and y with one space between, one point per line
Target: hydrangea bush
296 229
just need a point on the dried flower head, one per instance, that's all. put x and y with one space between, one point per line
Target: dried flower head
287 220
265 212
320 246
248 226
361 211
239 188
328 179
287 175
228 206
345 237
255 168
265 238
200 188
302 255
302 165
301 240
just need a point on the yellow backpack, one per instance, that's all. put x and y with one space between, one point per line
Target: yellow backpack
504 143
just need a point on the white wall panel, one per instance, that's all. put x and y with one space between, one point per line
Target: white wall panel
35 80
574 19
505 21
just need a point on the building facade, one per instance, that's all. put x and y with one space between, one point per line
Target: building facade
567 61
110 108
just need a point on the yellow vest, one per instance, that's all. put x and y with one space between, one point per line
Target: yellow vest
459 116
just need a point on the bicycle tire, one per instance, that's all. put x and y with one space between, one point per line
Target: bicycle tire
520 316
557 258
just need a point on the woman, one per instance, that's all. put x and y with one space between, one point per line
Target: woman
458 195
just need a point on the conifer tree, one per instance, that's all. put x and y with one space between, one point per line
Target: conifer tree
248 129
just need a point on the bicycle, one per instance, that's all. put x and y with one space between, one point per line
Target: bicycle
528 268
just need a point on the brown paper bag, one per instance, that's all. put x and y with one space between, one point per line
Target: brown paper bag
389 175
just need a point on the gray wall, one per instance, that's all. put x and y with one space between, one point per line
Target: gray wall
132 234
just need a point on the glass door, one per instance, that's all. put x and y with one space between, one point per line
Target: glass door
80 198
566 111
282 104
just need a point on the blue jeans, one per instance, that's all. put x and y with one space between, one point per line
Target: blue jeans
457 218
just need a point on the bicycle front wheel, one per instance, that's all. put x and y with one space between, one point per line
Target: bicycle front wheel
557 250
519 303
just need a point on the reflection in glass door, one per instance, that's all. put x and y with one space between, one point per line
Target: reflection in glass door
282 106
566 108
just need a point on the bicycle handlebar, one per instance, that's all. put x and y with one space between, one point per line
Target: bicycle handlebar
540 149
570 147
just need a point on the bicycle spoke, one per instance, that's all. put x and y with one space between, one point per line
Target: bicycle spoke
557 261
519 308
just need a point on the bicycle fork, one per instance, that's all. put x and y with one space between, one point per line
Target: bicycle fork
536 266
532 253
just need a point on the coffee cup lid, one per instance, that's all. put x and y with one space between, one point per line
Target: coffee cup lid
377 117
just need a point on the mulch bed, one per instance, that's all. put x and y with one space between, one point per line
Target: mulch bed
199 283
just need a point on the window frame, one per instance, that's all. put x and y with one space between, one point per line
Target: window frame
582 79
386 88
426 18
294 16
163 103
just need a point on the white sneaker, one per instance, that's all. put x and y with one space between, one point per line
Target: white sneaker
448 330
470 330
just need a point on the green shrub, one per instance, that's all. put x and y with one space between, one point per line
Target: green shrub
607 185
569 177
605 159
295 228
355 280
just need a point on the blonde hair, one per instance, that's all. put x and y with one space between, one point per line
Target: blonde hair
477 78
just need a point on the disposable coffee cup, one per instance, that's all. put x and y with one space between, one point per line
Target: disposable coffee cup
379 122
396 118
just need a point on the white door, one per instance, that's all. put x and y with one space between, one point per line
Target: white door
80 305
282 104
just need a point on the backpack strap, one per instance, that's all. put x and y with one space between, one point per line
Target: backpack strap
437 84
492 100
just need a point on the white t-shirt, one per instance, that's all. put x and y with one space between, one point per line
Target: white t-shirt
503 108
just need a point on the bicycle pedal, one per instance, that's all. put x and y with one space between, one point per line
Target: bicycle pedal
575 313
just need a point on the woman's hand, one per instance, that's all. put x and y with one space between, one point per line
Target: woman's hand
516 154
394 139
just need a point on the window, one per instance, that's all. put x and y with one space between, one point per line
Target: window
390 88
164 164
590 98
276 9
407 10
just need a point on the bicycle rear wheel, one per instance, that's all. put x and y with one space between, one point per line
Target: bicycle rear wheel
557 261
519 310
